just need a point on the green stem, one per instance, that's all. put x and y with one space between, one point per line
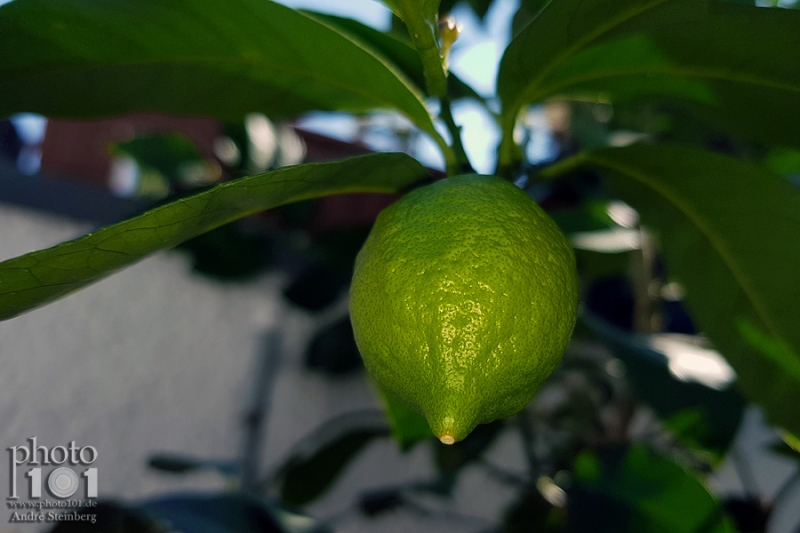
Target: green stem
509 155
461 164
424 36
450 158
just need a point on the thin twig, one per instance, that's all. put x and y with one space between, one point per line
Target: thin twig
463 165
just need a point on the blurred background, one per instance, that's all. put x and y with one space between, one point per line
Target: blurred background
230 361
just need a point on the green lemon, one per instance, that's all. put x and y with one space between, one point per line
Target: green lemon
463 300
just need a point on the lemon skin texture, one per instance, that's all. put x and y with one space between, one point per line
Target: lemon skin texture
464 297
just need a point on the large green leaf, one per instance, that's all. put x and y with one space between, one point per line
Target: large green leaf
740 62
41 277
729 232
85 58
398 52
639 491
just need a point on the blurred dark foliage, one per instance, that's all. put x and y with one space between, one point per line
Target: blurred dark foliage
10 143
333 349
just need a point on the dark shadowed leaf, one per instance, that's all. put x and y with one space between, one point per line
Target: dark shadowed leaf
728 231
737 61
80 58
312 470
316 288
450 460
40 277
333 350
638 491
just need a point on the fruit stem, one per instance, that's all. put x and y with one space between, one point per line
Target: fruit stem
447 439
461 163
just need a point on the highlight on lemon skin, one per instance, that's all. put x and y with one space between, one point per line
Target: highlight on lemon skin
464 297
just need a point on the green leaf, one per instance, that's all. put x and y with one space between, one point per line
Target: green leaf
307 480
41 277
527 11
737 61
637 490
784 161
82 58
408 427
728 231
399 52
318 459
774 349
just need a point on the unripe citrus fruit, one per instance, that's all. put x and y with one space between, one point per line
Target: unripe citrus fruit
463 300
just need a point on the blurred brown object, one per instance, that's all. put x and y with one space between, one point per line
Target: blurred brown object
78 150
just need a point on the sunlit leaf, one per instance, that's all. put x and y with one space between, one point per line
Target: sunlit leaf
737 61
728 231
82 58
41 277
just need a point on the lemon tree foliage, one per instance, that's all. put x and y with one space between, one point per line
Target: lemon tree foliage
463 299
723 225
645 490
734 62
194 57
726 227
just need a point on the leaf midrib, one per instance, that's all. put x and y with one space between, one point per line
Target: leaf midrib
678 72
710 235
524 97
